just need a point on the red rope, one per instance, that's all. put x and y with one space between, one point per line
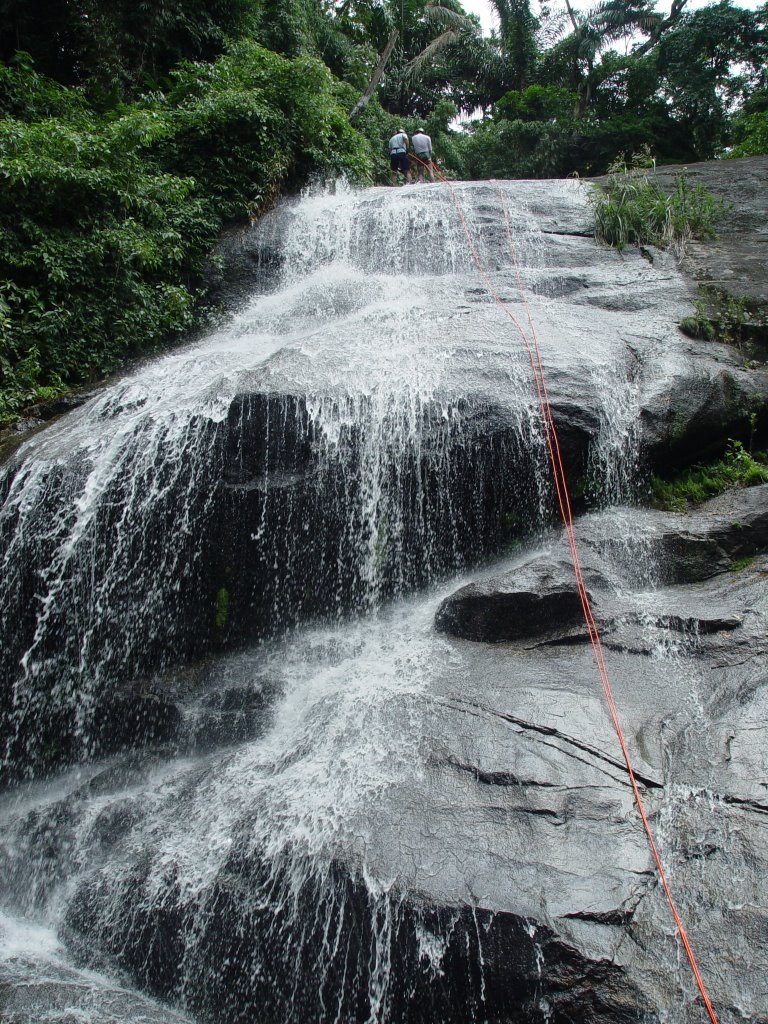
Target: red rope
563 499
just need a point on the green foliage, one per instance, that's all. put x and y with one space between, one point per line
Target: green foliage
253 121
537 134
29 96
699 325
713 58
420 71
94 251
523 149
221 611
737 468
632 210
720 316
106 219
536 103
739 564
676 90
116 47
750 133
517 27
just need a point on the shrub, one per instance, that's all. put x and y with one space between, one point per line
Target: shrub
253 122
751 135
96 253
737 468
731 319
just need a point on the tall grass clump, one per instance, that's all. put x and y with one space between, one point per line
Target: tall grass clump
633 210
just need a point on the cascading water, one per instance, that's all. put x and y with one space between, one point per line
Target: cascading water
300 462
216 558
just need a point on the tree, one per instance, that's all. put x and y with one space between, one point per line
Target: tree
708 64
426 31
517 35
572 61
115 47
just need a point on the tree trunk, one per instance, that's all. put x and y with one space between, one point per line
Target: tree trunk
362 103
572 16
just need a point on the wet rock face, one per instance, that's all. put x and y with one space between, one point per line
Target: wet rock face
200 509
537 601
308 528
68 996
694 415
461 964
391 822
688 665
519 886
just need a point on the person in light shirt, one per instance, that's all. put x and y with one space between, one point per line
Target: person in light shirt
422 148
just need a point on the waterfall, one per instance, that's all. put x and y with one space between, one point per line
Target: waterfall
223 696
309 459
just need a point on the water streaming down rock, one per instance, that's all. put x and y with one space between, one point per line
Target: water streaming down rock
307 460
364 820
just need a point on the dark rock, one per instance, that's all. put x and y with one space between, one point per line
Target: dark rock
245 264
538 600
231 715
136 718
32 992
58 406
462 964
691 418
694 546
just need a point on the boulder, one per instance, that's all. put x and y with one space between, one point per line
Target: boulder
537 600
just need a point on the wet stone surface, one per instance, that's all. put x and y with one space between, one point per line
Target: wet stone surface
343 814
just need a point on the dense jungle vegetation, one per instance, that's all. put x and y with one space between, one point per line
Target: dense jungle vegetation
132 131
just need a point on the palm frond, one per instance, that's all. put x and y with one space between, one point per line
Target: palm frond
444 17
415 68
615 18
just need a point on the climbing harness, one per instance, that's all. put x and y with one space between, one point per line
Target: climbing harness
563 498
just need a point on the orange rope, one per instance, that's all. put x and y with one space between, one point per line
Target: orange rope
563 498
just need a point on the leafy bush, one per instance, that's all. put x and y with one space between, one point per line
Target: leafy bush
535 134
525 149
253 122
737 468
732 319
106 219
750 133
95 253
536 103
29 96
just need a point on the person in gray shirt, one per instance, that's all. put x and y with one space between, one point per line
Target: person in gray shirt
422 148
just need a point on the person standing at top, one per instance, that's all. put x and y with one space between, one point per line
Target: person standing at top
422 147
398 156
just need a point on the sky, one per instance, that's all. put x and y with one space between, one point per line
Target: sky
488 18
